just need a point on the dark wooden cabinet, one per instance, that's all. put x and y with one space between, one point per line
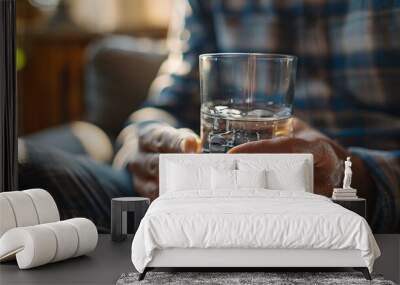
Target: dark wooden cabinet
358 205
50 85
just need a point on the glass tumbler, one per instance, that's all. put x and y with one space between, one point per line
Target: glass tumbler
245 97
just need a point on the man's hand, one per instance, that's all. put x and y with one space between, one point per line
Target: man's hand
328 157
153 140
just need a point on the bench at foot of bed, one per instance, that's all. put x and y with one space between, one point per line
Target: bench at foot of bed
363 270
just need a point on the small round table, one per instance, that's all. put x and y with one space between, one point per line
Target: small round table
119 209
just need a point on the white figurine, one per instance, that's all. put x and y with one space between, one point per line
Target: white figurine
347 192
347 174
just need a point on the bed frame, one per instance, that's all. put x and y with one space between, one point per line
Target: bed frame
242 259
245 258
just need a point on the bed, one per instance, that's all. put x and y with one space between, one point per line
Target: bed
247 210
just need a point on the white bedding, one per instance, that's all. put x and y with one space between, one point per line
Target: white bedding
250 219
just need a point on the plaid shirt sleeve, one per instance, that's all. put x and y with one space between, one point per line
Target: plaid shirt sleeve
384 166
348 73
176 88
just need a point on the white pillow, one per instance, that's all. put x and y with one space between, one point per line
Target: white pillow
281 175
223 179
251 178
190 176
291 180
187 177
226 179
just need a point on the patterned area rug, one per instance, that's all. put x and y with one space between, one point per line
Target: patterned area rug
229 278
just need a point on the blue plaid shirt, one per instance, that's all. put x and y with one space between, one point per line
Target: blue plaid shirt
348 83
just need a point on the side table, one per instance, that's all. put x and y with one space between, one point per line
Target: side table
357 205
119 209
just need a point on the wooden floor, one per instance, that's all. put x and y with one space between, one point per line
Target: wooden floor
110 260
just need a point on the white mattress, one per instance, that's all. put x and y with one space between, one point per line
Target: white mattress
257 219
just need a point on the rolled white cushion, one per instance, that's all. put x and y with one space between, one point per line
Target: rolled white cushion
87 235
40 244
33 246
7 218
67 239
26 208
23 208
45 205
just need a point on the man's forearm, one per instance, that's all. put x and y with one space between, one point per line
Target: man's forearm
128 137
150 114
142 118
